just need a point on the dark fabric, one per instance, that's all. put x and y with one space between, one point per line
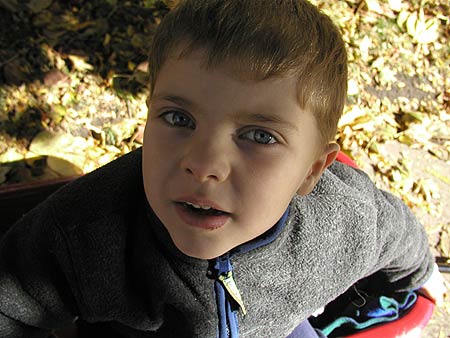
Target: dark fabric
305 330
92 252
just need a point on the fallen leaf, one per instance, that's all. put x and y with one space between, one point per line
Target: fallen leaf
364 46
11 155
143 67
374 6
351 116
395 5
63 167
66 146
352 87
138 135
422 30
444 243
123 129
80 63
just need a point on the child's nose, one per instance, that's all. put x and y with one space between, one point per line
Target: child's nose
207 161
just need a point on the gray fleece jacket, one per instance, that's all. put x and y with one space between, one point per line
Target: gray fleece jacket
91 251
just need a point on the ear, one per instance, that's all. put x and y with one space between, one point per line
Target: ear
327 157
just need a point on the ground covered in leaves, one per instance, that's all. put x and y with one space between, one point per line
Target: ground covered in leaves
72 93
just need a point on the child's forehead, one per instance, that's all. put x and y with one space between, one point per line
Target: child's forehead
242 67
184 71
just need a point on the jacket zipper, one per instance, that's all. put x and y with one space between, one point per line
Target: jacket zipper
227 296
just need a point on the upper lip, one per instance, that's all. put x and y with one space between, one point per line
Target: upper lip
200 201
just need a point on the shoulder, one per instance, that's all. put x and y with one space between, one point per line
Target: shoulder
106 192
84 230
342 191
341 179
344 185
339 217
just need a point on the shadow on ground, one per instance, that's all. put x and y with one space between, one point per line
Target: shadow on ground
113 36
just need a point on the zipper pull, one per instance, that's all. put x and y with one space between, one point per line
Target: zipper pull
229 284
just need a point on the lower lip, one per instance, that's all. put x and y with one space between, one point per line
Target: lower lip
207 222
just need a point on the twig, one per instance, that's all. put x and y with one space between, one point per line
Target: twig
9 60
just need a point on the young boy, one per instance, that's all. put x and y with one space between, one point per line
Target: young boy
236 221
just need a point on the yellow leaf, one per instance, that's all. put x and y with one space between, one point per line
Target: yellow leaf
405 139
65 146
438 175
106 158
350 116
352 86
374 6
422 30
80 63
11 155
106 40
395 5
364 46
63 167
402 18
124 129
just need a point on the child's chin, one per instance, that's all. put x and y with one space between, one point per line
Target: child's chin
200 253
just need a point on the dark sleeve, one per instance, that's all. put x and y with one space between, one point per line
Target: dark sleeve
403 253
35 296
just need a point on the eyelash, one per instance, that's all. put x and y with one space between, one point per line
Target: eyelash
172 113
188 122
272 139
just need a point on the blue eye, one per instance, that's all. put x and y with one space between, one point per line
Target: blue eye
178 119
259 136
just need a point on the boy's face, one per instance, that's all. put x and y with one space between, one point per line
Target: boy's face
239 150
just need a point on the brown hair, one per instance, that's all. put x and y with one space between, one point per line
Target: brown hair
262 39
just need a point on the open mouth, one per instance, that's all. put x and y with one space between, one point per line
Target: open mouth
201 216
202 210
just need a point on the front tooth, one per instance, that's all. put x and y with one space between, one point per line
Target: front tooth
196 206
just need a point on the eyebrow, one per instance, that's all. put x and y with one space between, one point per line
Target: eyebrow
268 118
178 100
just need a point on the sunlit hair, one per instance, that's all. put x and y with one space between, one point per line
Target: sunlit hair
261 39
